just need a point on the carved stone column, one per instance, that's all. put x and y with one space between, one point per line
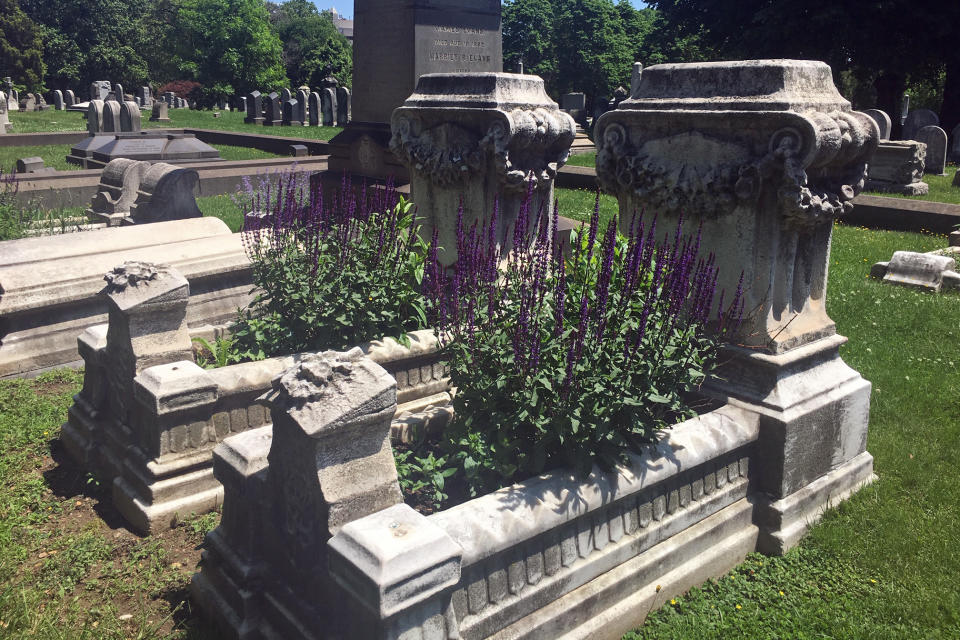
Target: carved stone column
479 137
765 154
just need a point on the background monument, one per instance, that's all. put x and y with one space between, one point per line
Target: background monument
394 43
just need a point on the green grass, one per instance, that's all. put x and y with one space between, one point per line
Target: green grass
883 565
583 159
55 155
47 121
941 188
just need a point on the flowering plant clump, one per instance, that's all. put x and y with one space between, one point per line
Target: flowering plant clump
571 355
330 274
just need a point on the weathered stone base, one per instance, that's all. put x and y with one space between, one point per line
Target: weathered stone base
784 522
912 189
621 599
156 503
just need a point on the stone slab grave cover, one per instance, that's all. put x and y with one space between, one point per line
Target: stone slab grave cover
916 120
150 145
919 270
882 120
394 44
935 158
897 167
50 284
477 138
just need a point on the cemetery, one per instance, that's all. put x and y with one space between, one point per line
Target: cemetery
401 327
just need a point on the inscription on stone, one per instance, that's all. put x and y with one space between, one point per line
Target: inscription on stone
458 49
139 147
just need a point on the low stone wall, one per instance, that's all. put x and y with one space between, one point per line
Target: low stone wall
50 285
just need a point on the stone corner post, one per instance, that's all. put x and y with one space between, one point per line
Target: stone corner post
479 137
766 154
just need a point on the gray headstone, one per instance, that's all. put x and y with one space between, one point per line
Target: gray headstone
395 43
955 144
272 111
4 118
146 96
571 101
29 103
936 140
343 106
117 89
159 112
166 193
111 116
33 164
254 108
916 120
95 117
243 104
882 120
328 106
298 150
635 74
58 102
130 116
301 111
289 113
314 110
285 95
69 97
99 89
922 270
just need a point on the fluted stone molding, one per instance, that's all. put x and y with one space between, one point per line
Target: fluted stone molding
479 137
765 154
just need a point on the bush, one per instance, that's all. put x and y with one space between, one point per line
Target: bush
331 275
183 88
570 356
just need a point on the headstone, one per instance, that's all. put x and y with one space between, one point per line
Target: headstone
576 105
29 103
146 96
272 111
119 183
117 89
918 119
13 100
69 97
254 108
243 103
635 77
95 117
166 193
285 95
58 102
289 113
955 145
395 43
168 97
920 270
159 112
343 106
298 150
301 111
99 89
897 167
314 110
33 164
111 116
130 116
4 118
882 120
935 138
328 105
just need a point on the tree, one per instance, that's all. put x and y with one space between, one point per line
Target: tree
229 47
593 50
21 49
87 40
312 47
528 37
873 38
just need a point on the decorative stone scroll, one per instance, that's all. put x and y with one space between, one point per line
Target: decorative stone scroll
479 136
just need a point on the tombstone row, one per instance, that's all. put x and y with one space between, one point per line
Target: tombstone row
329 107
922 125
111 116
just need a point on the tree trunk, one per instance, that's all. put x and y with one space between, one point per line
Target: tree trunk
950 110
890 88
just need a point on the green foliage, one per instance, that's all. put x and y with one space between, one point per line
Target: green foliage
219 353
229 47
312 47
21 47
330 281
528 37
424 476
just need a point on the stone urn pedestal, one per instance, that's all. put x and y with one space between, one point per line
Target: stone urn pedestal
477 139
765 155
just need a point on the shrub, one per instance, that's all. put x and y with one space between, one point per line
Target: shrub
183 88
330 274
570 356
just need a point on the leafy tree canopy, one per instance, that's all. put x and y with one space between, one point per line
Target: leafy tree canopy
21 49
312 47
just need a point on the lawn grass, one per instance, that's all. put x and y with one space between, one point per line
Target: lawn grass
583 159
55 155
883 565
941 188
